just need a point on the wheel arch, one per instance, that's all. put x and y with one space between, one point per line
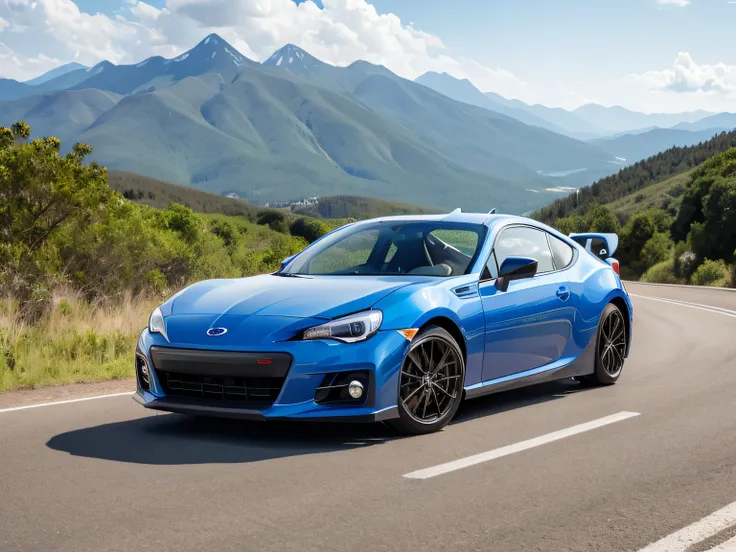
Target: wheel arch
453 329
623 306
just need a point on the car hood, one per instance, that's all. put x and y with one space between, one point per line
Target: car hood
270 295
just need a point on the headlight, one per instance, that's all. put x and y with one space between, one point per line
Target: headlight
356 327
156 323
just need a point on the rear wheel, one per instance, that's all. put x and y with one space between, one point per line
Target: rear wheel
610 347
430 383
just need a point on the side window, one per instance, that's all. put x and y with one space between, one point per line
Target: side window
561 252
522 241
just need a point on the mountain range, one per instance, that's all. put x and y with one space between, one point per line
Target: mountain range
295 127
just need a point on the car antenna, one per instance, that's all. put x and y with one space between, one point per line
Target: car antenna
457 211
492 211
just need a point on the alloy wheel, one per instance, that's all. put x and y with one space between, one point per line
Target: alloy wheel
431 380
612 344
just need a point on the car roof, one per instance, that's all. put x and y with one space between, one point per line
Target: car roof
456 216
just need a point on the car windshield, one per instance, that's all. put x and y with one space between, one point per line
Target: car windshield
393 248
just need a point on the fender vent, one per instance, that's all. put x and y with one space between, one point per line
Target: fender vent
468 290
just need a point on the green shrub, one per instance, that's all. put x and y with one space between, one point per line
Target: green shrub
661 273
276 220
602 219
308 228
225 230
711 273
656 250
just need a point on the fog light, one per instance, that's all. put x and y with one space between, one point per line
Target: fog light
355 389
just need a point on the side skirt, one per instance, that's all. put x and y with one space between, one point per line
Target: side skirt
583 365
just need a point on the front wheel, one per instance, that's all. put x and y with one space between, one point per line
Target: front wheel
610 347
430 383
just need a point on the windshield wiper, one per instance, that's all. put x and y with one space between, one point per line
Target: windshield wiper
288 275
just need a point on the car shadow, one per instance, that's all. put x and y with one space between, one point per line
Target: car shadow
518 398
173 439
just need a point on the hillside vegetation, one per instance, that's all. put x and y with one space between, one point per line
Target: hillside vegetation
81 266
160 194
680 229
659 167
344 206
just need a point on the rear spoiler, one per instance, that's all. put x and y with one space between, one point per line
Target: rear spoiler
602 246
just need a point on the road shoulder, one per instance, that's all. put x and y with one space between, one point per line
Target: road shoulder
23 397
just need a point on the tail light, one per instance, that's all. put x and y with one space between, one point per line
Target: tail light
615 266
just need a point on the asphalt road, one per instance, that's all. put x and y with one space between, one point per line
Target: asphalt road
105 475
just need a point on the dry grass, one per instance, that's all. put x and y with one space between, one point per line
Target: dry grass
76 341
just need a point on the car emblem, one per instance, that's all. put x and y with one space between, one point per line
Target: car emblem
216 332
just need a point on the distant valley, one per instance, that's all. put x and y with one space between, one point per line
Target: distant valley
295 127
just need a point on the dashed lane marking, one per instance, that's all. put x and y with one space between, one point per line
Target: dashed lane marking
468 461
697 532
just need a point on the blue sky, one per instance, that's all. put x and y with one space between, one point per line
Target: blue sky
650 55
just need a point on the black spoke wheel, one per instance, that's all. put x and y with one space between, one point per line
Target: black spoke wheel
610 347
430 382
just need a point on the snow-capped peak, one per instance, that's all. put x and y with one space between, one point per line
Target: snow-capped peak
208 49
292 58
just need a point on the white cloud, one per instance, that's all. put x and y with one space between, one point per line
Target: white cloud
342 32
680 3
3 24
686 76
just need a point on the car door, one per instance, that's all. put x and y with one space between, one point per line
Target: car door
528 325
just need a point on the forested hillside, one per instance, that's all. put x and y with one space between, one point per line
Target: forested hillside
339 207
636 177
680 229
160 194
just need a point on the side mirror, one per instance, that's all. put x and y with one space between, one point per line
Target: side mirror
515 268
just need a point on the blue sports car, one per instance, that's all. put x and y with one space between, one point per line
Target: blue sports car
395 319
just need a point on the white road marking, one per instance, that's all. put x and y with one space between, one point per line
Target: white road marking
709 308
15 408
518 447
696 532
728 546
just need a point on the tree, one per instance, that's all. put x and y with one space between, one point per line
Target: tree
657 249
638 231
276 220
719 211
602 219
39 192
308 228
572 225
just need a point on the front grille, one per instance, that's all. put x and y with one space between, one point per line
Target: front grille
247 392
228 378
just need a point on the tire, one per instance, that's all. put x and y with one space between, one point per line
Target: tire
430 383
610 348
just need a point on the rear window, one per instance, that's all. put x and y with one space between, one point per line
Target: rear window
561 252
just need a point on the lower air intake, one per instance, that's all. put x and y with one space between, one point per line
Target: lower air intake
247 392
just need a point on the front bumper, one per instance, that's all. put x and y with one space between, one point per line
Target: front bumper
194 407
381 356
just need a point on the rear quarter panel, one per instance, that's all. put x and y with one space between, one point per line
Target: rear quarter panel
593 285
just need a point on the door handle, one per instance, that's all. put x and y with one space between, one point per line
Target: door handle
563 293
